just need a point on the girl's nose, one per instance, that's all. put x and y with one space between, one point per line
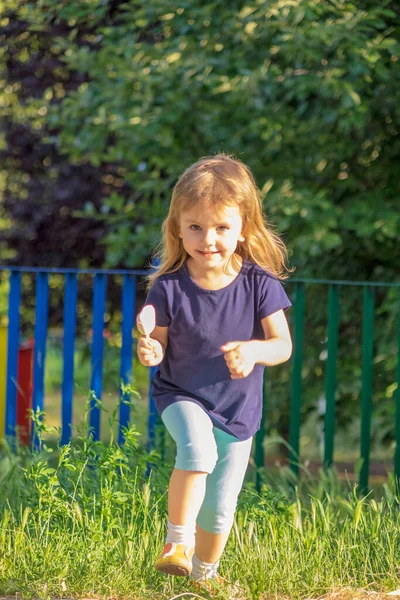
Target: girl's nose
209 237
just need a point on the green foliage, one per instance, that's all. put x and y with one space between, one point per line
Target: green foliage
305 95
39 189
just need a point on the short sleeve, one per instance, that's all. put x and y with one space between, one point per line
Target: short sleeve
272 297
158 297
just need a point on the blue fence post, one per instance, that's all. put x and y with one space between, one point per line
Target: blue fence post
128 313
70 300
14 300
39 357
99 307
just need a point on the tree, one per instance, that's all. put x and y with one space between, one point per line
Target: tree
305 93
41 190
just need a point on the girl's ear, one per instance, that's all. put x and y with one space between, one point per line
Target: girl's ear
241 238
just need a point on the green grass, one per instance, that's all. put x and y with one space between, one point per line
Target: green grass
85 521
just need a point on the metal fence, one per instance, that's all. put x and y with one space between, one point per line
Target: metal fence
128 297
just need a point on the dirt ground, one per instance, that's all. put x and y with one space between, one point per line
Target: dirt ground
342 594
347 594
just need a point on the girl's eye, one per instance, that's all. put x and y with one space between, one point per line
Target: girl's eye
221 228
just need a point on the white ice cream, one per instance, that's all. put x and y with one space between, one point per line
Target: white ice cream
146 320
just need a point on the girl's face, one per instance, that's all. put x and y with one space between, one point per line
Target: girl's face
210 234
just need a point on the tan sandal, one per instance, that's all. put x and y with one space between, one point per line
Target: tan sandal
175 559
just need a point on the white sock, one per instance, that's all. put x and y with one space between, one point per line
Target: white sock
202 570
181 534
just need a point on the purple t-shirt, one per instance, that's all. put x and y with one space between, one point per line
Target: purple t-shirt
199 322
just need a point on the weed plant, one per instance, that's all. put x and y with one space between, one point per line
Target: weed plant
88 520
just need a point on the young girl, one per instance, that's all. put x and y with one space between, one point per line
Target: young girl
219 321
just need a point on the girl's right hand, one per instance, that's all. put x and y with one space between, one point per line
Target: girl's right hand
150 352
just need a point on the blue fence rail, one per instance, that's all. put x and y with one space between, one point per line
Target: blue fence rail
70 305
128 300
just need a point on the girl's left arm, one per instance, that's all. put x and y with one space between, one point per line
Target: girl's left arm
241 357
277 347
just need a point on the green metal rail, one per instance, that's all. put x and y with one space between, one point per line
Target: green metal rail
333 328
336 294
333 317
397 433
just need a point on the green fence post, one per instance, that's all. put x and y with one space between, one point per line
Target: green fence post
366 390
397 434
259 456
330 383
295 411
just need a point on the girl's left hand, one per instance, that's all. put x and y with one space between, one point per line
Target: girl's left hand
239 358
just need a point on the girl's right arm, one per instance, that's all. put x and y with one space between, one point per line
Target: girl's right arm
152 351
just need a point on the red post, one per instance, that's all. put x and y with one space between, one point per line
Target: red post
24 391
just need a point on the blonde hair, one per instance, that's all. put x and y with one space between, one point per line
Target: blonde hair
221 180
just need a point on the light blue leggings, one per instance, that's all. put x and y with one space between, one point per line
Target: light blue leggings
203 447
